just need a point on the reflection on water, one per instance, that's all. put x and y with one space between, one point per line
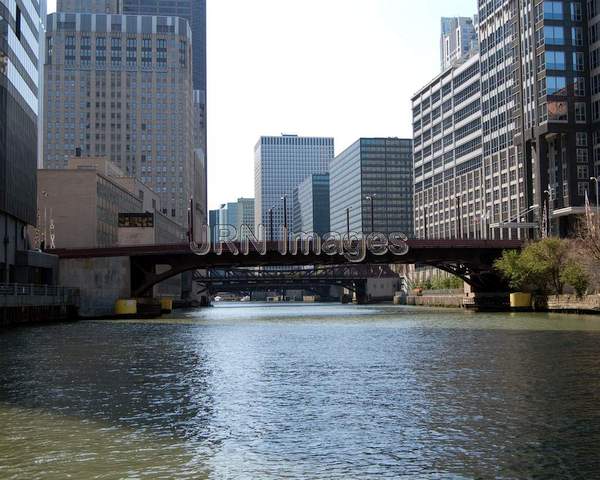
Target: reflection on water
303 391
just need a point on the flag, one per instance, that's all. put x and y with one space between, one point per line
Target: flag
589 216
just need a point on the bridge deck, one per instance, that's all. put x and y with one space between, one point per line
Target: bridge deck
272 248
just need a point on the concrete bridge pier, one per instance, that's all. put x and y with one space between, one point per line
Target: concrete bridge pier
360 293
101 282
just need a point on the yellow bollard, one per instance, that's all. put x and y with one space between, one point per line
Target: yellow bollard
166 305
520 300
126 306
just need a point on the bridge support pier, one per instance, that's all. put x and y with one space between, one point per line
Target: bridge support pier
489 296
360 293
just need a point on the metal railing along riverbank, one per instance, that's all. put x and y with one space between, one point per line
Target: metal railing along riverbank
19 294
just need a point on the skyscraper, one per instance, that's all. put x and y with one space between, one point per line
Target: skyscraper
458 39
280 165
121 87
20 29
194 11
237 215
311 205
371 185
539 81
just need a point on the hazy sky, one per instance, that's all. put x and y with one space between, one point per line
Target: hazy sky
340 68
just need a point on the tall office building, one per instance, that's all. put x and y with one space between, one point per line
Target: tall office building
121 87
280 165
239 216
538 82
458 39
20 29
371 183
557 119
311 205
195 12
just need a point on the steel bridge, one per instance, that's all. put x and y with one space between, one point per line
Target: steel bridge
351 277
471 260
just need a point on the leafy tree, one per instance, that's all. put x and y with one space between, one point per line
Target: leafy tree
512 267
545 260
574 275
541 267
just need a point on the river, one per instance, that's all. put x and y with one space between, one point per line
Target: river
252 391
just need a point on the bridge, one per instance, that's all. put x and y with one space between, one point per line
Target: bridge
350 276
147 266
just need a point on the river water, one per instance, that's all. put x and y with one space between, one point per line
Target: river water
250 391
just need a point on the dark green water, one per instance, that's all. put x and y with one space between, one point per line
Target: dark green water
303 391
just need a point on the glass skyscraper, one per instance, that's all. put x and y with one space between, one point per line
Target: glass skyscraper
373 175
280 165
20 30
311 205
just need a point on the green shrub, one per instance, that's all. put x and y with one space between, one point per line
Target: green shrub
574 275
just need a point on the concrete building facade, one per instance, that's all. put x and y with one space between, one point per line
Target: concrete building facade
280 165
121 87
91 204
453 194
371 187
194 11
88 6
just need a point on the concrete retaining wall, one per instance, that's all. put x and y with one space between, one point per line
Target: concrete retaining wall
453 301
569 303
101 281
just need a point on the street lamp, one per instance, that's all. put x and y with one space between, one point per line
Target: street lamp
271 224
285 224
371 198
596 180
458 216
548 194
348 222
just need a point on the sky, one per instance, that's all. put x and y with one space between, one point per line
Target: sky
340 68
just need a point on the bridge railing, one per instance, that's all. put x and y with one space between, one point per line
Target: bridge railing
12 294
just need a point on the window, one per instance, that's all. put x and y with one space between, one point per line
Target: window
581 139
579 87
577 36
553 10
582 155
576 14
18 24
554 35
582 188
583 172
557 111
556 85
580 112
578 61
555 60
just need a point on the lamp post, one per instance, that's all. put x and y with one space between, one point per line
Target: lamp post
548 194
371 198
285 221
271 224
348 222
285 224
458 217
596 180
